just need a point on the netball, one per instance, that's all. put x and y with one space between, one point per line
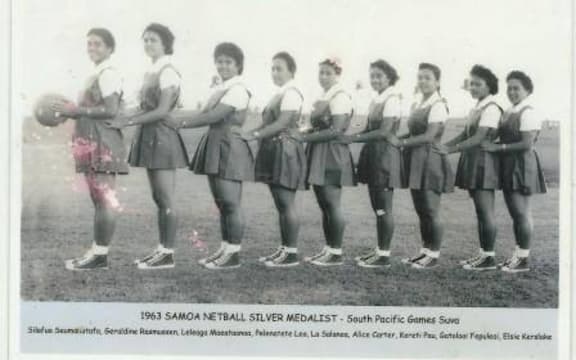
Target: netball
44 113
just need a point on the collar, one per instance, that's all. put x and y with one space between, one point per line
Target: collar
390 90
103 65
160 63
431 100
237 79
527 101
488 99
333 90
289 84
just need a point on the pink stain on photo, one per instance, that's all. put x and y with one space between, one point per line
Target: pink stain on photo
197 243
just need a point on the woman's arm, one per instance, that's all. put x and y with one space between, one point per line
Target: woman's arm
108 110
426 138
272 129
167 98
473 141
206 118
526 143
374 135
457 139
337 129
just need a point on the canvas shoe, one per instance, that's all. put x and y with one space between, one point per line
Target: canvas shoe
160 261
272 256
376 262
413 259
210 258
483 263
285 259
328 259
228 260
426 262
516 265
90 262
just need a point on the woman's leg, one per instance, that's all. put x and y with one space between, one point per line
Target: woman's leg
431 214
484 205
228 196
332 198
418 201
520 210
323 204
382 200
163 185
284 199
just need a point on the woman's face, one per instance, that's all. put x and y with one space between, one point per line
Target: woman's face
378 79
478 87
226 67
427 82
153 44
516 92
280 73
97 49
327 76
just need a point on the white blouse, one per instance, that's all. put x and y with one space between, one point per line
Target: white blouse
169 76
340 104
236 96
490 117
292 100
109 78
438 112
531 120
393 106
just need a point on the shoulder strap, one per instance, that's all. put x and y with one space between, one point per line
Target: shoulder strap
441 100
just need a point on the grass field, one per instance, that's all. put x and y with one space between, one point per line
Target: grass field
57 216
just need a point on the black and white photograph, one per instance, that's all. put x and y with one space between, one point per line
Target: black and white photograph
331 154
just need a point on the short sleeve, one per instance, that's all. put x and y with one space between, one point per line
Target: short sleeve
168 78
237 97
530 120
291 101
490 117
341 104
393 107
438 113
110 82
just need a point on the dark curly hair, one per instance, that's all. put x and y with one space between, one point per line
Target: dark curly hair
388 69
105 35
165 35
523 78
488 76
232 50
333 64
428 66
288 59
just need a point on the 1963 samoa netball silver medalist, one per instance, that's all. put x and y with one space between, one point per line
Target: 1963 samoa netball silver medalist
288 178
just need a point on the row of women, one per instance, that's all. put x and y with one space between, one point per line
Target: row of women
496 150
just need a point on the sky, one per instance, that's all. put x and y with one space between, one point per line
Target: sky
504 35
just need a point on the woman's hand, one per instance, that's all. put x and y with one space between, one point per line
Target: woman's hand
393 140
344 139
65 108
118 123
171 122
490 146
248 136
443 149
298 136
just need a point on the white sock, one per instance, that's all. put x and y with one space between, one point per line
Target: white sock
488 253
382 252
291 250
335 251
223 245
523 253
424 251
233 248
434 254
99 250
165 250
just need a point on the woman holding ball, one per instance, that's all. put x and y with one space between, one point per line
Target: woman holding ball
98 151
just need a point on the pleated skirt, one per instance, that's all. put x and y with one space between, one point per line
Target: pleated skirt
158 146
521 171
281 160
222 152
330 163
380 165
478 170
428 169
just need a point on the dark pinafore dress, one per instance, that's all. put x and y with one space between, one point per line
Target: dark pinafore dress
520 170
222 152
380 163
330 162
427 168
97 148
156 145
281 160
478 169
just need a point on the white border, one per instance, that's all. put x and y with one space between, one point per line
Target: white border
9 33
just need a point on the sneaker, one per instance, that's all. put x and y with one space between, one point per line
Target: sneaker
519 264
272 256
284 260
507 262
413 259
426 262
317 256
376 262
327 259
147 257
482 264
470 260
215 255
90 262
230 260
366 256
160 261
